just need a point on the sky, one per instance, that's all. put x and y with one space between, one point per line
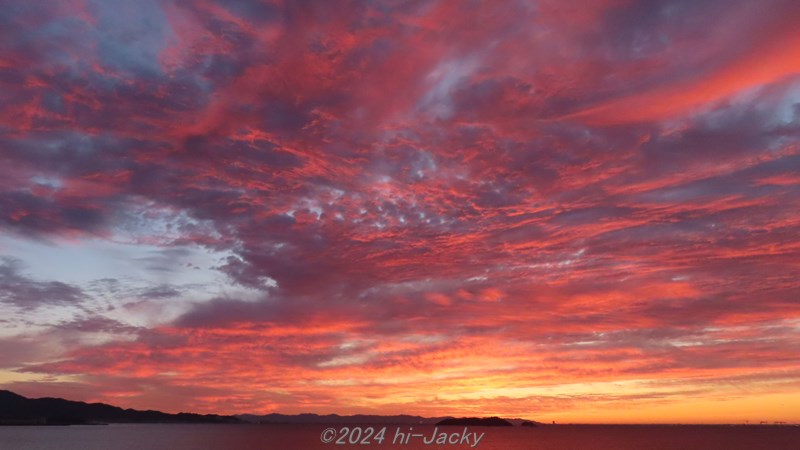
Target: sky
580 211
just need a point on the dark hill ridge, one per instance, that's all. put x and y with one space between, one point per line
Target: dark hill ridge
362 419
477 422
337 419
18 410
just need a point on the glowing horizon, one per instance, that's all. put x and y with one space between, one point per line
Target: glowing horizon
571 211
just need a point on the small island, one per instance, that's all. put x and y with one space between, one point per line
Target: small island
477 422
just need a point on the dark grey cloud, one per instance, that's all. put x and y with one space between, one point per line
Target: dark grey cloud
18 290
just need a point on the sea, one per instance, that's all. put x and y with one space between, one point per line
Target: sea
398 437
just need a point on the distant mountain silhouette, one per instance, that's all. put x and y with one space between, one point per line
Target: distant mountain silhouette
364 419
477 422
337 419
18 410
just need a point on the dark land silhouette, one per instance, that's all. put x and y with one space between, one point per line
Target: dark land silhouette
338 419
18 410
477 422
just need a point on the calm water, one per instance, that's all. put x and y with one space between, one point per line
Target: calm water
301 437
